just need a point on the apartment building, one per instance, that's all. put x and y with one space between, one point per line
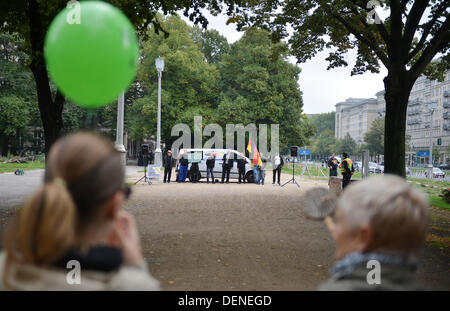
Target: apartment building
428 116
354 116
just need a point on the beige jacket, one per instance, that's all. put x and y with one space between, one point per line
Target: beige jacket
30 277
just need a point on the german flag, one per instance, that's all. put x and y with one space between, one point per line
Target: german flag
256 158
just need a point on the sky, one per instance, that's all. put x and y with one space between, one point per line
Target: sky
321 88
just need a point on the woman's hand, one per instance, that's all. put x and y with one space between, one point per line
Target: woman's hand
126 237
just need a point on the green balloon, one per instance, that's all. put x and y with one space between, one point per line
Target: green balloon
91 50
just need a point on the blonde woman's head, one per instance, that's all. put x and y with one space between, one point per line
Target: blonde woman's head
83 188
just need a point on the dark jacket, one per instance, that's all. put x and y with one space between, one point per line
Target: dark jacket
184 162
229 163
241 163
210 162
333 164
167 162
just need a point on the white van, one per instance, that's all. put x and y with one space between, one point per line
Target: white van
201 155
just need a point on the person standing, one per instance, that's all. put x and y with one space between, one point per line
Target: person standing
277 166
241 168
210 162
262 169
333 165
226 167
168 166
184 163
346 169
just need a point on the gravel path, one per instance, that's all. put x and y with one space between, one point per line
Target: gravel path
241 237
231 236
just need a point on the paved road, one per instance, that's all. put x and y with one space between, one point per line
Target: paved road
15 188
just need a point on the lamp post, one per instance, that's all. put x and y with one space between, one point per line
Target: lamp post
430 162
119 130
159 62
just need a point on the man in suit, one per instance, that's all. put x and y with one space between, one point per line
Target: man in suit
167 166
226 166
241 168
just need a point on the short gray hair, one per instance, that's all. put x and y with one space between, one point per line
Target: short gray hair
396 212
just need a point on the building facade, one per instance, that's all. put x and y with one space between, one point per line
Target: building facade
428 118
354 116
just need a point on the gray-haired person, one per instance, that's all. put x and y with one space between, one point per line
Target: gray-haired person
380 224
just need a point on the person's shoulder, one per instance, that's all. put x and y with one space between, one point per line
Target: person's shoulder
134 278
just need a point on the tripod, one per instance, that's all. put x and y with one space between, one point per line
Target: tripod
292 179
144 177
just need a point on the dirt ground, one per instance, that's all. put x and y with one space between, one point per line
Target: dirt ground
247 237
243 237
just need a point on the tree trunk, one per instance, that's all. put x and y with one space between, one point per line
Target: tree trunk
397 88
5 146
50 109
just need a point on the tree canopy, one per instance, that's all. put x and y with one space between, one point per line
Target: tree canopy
405 43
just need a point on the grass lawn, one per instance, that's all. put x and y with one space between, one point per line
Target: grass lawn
438 202
11 167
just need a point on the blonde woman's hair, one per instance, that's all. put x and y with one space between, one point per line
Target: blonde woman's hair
83 170
396 212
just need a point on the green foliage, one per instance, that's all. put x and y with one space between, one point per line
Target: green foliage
346 144
14 115
445 195
188 82
405 42
259 86
323 122
374 138
211 43
324 144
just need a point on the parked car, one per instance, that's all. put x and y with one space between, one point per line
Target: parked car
444 166
358 166
380 169
437 173
373 167
201 155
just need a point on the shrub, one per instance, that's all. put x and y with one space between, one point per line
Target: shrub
445 194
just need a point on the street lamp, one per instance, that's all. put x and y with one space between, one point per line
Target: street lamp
119 130
159 62
432 107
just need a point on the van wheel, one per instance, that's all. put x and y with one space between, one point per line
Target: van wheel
249 177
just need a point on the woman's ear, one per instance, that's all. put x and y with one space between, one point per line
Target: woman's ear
113 205
366 238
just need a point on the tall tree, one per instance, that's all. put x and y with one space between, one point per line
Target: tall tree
260 86
324 144
211 43
18 107
323 122
31 18
346 144
405 43
374 138
189 84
